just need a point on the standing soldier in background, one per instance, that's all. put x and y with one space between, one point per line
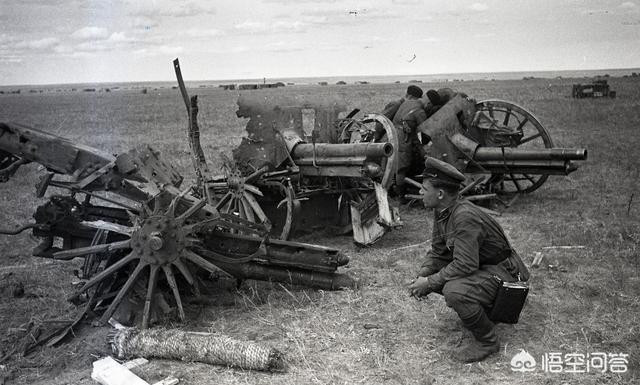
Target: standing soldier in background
406 115
469 260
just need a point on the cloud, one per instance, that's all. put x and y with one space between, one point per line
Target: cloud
380 14
197 33
479 7
484 35
298 1
38 45
43 3
63 49
7 59
153 8
87 48
162 50
145 22
240 48
628 5
346 17
407 2
6 39
146 15
90 33
381 39
282 46
91 46
594 11
120 37
277 27
169 50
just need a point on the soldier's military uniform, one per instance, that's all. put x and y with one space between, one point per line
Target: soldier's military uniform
470 254
469 258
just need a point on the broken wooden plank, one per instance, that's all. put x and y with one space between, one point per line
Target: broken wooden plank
168 381
537 260
108 371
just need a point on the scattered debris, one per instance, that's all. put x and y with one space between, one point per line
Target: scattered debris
17 291
537 260
421 244
563 247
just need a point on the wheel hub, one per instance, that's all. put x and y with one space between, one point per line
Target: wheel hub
159 241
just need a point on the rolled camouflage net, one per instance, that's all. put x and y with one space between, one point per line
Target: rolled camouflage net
209 348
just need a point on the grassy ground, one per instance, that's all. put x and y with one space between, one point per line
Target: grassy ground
586 302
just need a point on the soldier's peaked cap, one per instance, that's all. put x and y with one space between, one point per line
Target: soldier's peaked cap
439 170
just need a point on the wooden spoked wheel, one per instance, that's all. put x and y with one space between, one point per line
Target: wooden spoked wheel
243 200
240 200
504 124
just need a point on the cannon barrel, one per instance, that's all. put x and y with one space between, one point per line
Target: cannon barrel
342 159
341 150
515 154
550 161
533 167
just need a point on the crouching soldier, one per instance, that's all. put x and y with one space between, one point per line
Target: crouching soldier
469 259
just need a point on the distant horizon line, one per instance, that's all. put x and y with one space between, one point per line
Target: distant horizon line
325 77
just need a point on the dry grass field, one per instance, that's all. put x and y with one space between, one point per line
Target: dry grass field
582 300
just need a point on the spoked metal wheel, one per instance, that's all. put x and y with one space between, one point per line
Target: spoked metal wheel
504 124
159 245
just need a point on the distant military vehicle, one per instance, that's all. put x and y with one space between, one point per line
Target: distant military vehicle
598 89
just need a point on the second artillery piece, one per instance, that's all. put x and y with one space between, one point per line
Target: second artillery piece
499 139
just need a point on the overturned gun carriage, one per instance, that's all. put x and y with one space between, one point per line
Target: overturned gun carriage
150 236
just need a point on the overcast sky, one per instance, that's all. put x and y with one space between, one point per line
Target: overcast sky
65 41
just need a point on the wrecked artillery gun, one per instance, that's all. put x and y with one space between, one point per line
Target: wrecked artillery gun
149 228
302 165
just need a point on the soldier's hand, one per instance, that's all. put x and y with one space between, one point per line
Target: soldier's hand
420 287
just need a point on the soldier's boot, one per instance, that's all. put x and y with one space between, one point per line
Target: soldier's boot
486 342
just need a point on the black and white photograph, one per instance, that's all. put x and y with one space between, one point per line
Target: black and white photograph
390 192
